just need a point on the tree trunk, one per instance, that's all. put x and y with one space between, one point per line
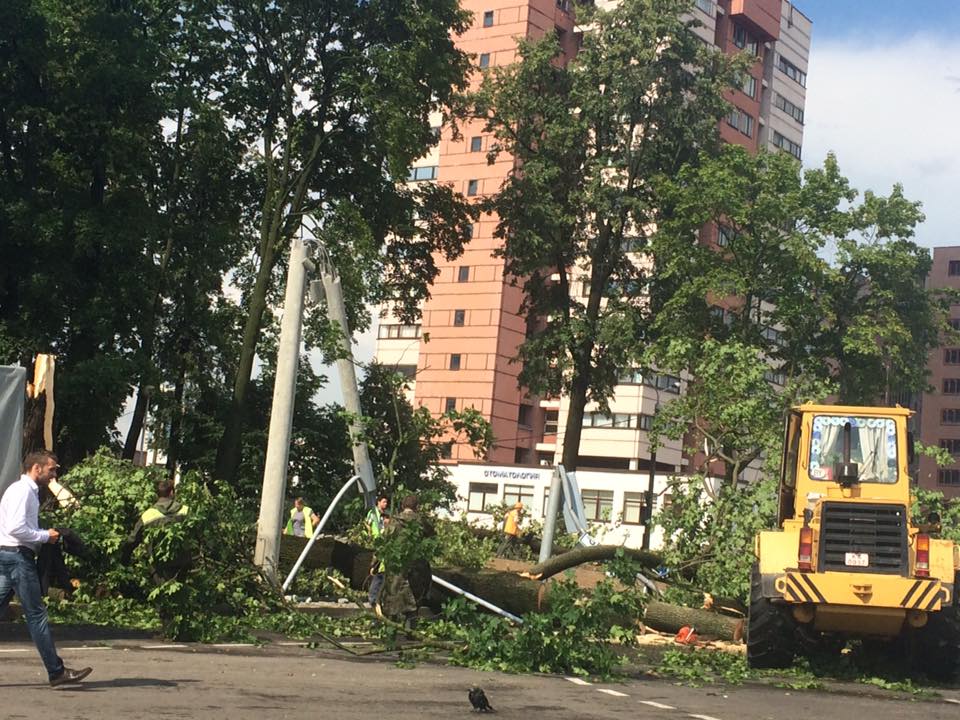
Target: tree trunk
574 427
139 415
581 555
176 421
670 618
228 452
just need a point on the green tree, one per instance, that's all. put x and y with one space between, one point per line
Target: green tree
810 289
406 443
593 141
78 118
334 99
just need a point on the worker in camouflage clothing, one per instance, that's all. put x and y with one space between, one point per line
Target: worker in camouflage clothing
406 567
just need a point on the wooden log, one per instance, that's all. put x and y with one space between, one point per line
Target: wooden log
327 552
596 553
670 618
508 591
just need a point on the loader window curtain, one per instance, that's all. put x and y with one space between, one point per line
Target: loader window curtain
873 446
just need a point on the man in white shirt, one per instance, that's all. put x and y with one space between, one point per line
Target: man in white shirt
20 540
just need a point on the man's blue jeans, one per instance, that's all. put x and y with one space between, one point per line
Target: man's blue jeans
18 574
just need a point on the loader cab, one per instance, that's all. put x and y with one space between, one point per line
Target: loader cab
843 452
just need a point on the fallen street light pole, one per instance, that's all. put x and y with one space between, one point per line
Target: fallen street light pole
316 532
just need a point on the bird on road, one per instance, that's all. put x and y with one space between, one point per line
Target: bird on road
479 700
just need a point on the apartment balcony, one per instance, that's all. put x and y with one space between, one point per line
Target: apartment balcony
761 16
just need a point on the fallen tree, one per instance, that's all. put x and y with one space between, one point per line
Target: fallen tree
670 618
596 553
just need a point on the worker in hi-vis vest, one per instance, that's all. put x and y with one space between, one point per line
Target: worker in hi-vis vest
302 520
375 521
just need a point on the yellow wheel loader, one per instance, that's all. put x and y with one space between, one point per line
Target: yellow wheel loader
849 560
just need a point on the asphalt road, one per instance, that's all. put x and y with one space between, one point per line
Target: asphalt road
137 678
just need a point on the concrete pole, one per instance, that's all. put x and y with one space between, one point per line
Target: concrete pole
550 520
337 312
281 415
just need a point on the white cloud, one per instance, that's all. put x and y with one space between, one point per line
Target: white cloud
890 113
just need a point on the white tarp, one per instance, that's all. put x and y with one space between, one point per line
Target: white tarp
12 389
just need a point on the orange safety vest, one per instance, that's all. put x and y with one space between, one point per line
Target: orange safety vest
511 523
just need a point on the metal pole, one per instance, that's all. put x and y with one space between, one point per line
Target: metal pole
477 600
316 532
550 521
281 415
348 381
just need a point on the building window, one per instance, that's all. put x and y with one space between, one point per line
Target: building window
459 316
564 5
660 381
954 323
950 416
632 508
488 18
525 416
951 356
791 71
468 231
953 267
706 6
597 504
749 86
741 121
481 496
476 144
788 107
450 405
446 451
787 144
390 332
484 60
777 377
435 130
951 386
455 361
408 371
463 273
512 494
948 477
419 174
472 187
551 422
744 40
951 445
617 421
725 236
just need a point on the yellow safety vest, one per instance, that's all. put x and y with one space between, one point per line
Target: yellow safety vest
307 522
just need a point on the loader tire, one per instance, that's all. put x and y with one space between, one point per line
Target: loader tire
938 645
771 632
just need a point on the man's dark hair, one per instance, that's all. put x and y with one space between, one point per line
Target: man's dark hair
410 502
38 457
165 488
383 497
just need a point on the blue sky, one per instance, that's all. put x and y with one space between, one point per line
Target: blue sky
878 18
883 94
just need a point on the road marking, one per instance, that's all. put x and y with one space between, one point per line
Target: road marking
951 700
578 681
293 644
225 645
703 717
14 650
661 706
85 649
615 693
161 647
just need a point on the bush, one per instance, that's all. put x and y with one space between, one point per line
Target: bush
197 574
570 637
710 541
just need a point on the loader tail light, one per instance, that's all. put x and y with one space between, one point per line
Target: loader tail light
805 553
921 567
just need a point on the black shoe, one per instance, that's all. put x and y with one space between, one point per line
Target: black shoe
68 676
